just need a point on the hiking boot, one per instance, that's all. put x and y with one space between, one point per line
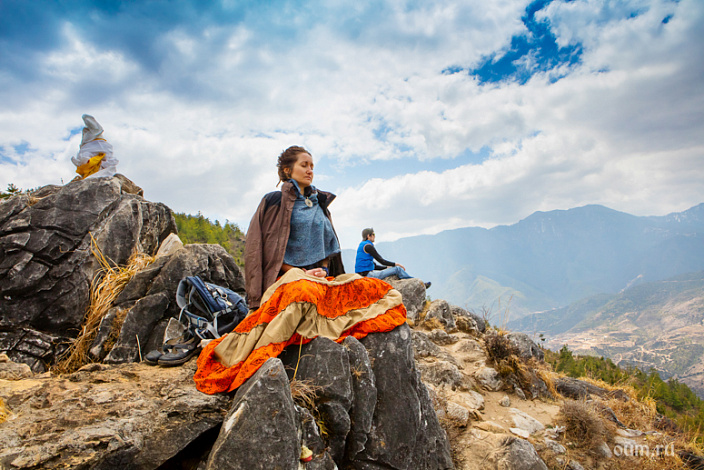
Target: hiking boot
428 284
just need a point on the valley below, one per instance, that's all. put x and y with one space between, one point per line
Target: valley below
656 325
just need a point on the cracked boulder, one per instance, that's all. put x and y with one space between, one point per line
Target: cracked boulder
47 241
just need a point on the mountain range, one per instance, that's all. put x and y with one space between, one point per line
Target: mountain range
550 259
656 325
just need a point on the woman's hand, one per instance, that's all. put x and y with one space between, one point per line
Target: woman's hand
317 272
401 266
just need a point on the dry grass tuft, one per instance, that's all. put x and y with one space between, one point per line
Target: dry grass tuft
498 346
106 286
4 412
634 414
547 377
424 312
304 393
583 425
465 325
433 324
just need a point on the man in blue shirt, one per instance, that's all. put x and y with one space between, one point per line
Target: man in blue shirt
367 254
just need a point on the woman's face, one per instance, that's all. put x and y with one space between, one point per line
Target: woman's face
302 170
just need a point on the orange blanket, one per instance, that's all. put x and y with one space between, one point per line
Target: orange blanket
295 310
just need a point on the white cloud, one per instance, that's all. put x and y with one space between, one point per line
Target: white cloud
200 127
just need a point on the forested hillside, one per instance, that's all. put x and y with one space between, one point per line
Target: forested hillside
673 399
199 229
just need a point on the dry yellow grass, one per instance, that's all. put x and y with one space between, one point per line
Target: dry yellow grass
547 377
4 413
583 425
304 394
106 286
433 324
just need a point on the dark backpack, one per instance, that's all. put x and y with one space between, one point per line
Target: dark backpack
210 310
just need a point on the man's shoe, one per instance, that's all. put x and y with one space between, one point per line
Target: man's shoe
428 284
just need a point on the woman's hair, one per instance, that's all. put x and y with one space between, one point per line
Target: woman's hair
287 159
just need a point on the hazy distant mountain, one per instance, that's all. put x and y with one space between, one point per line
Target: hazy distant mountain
657 324
551 259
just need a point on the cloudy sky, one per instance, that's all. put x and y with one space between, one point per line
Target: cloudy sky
420 116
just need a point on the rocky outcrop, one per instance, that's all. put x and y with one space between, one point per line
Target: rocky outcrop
581 390
121 416
50 242
116 412
47 263
369 390
526 346
148 300
386 402
144 417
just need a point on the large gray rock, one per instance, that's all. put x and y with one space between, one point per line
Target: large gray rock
102 417
413 294
527 348
405 434
582 390
46 259
460 313
364 401
149 299
367 393
440 310
327 365
518 454
261 429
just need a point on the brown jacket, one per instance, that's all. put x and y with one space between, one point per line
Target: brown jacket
267 237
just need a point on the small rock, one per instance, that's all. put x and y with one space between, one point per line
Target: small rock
12 370
604 450
520 432
459 312
474 400
505 401
443 373
423 346
490 426
555 431
442 337
518 454
624 442
554 446
469 345
629 432
467 325
440 310
458 413
526 422
574 465
526 346
489 379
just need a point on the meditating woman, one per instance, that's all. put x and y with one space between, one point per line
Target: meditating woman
291 228
295 283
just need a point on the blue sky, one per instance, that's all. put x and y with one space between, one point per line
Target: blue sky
421 116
